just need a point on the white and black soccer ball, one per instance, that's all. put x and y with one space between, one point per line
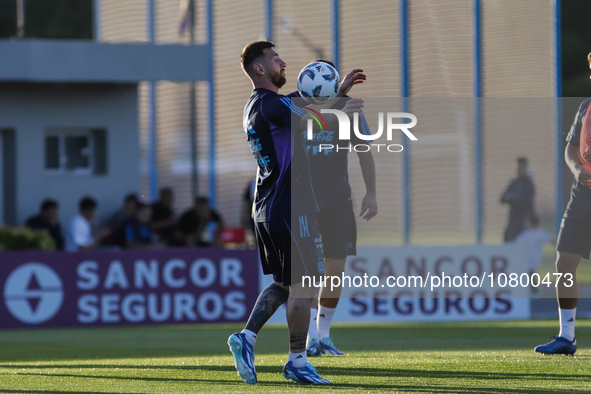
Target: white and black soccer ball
318 83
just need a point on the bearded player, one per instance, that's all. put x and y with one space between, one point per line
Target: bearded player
287 255
574 238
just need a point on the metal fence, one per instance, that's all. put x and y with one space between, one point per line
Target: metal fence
447 189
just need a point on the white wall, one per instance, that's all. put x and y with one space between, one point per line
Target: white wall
31 108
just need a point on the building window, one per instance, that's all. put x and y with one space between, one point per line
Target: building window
76 151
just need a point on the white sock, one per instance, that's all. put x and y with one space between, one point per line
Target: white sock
567 323
313 329
251 337
325 316
299 360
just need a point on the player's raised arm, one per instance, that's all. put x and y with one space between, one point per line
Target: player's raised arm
369 204
573 161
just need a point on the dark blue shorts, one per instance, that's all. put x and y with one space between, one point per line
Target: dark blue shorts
290 248
575 228
339 231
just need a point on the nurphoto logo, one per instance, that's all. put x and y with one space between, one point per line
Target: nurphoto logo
345 130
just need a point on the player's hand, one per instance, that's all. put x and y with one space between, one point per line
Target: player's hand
369 207
353 105
354 77
582 176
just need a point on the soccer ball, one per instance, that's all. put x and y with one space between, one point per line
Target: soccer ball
318 83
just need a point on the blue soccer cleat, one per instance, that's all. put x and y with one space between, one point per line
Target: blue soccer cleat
307 374
243 357
314 348
558 345
329 348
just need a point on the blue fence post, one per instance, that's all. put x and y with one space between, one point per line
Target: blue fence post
559 139
478 116
269 20
211 114
96 19
405 108
152 137
336 38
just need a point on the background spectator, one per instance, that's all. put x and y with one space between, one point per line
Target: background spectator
125 213
79 233
136 229
163 221
201 225
119 219
534 238
247 200
48 219
520 197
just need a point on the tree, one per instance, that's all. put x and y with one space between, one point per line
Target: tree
58 19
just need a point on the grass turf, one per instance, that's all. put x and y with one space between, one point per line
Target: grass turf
478 357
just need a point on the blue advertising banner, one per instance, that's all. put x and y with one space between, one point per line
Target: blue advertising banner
104 288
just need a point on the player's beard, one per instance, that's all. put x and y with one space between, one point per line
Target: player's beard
278 80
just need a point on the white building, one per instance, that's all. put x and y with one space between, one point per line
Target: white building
69 119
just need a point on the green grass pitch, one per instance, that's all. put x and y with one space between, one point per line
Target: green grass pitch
482 357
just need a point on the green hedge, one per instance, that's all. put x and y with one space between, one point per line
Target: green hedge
22 238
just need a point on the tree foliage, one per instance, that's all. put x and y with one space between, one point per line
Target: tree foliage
58 19
576 44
